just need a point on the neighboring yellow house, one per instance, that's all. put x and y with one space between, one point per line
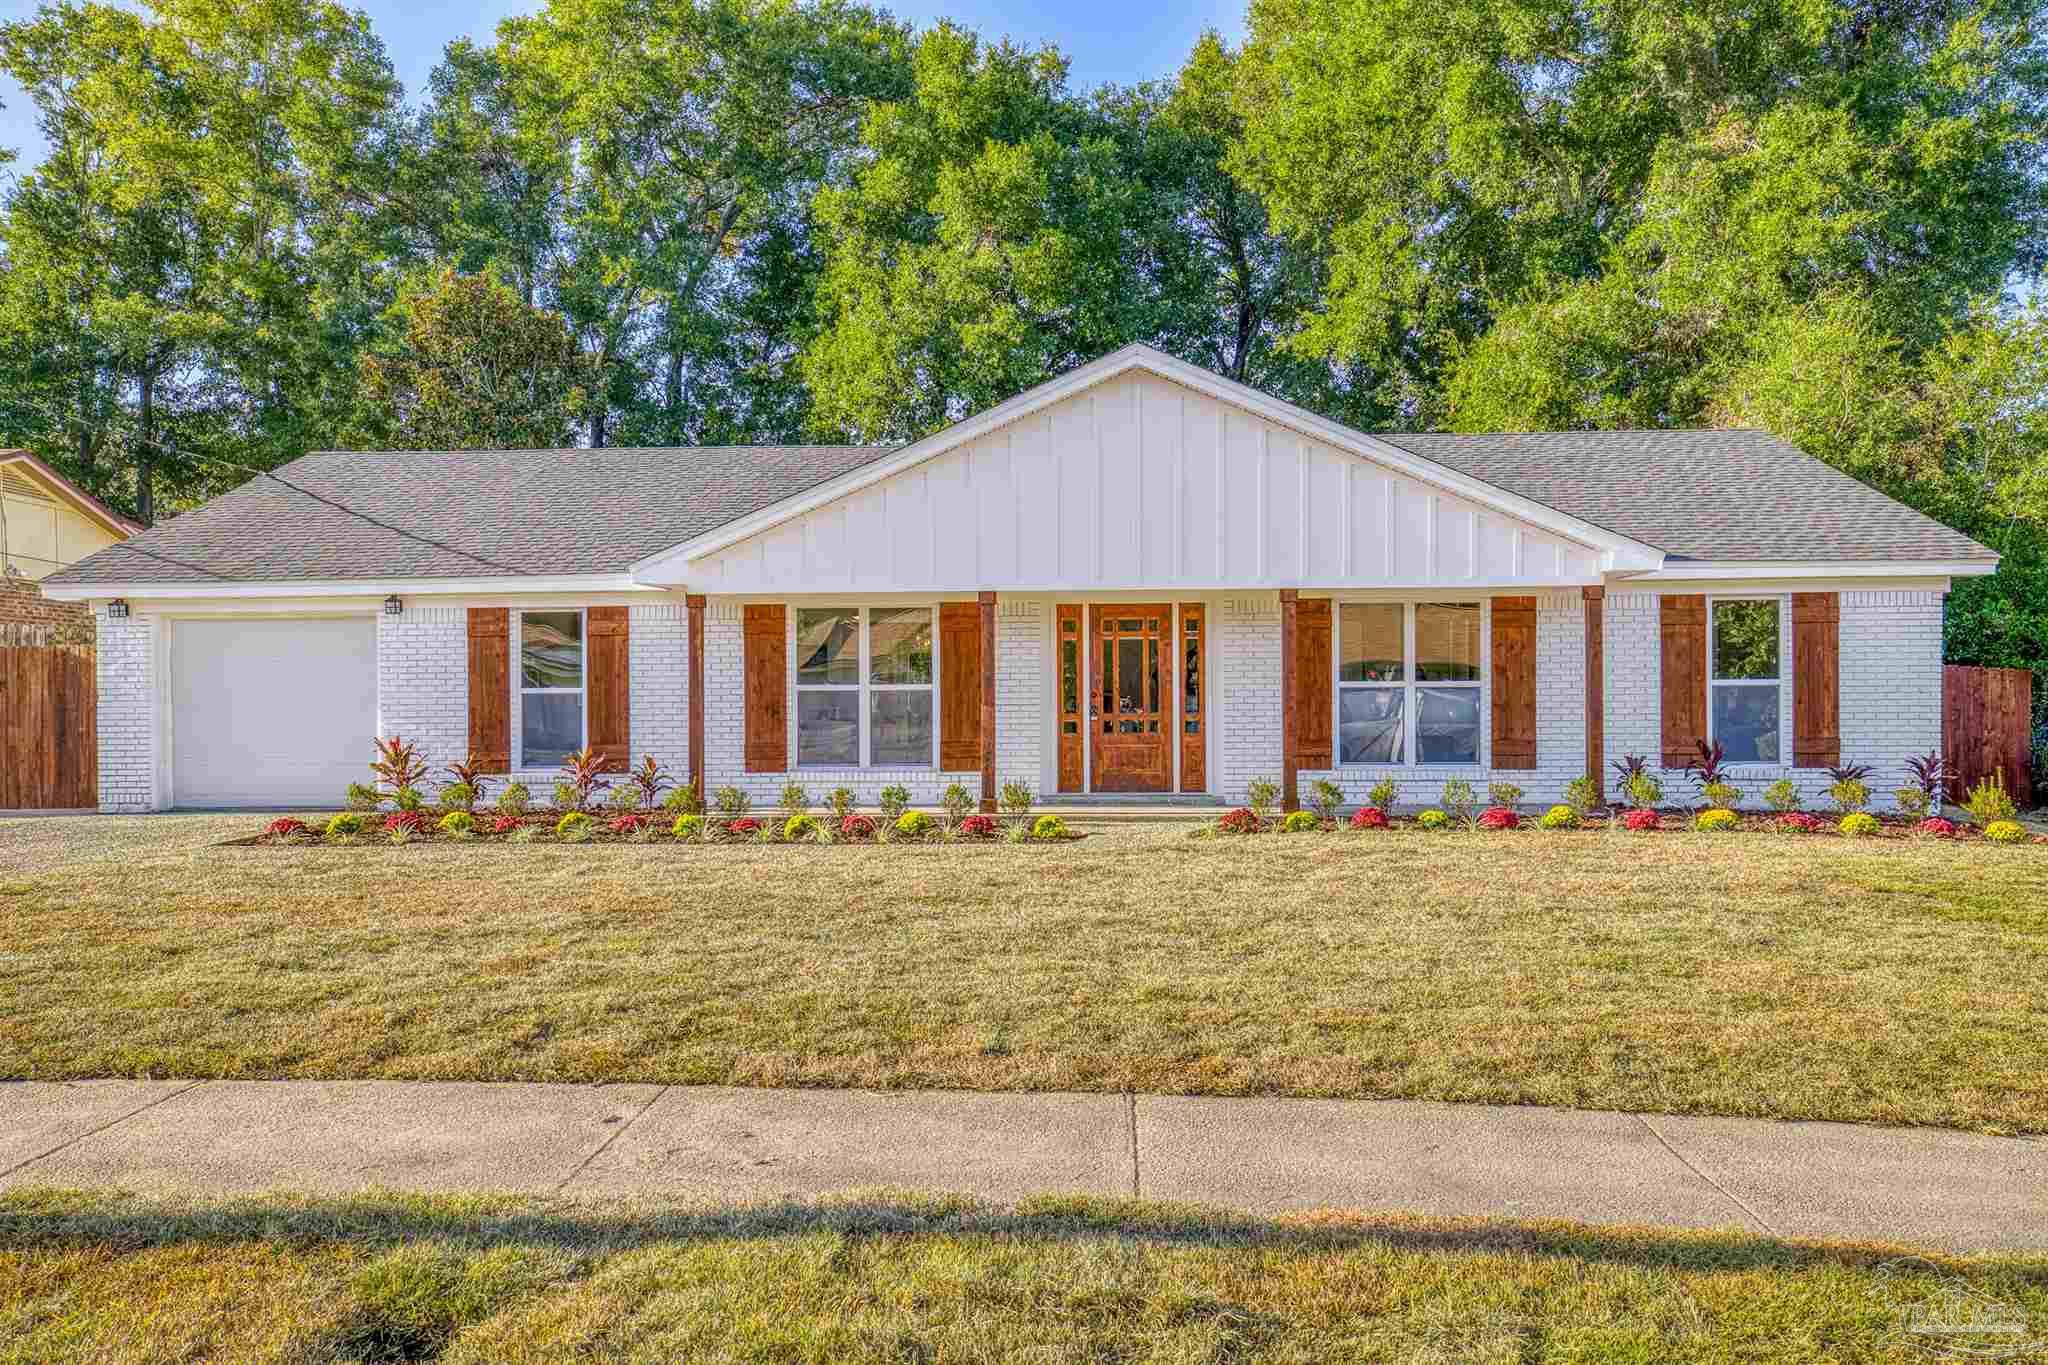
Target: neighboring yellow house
46 522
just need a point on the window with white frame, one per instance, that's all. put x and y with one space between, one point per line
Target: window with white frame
1746 680
1408 680
864 687
551 694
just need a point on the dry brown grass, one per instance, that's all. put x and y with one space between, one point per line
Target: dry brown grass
893 1277
1893 981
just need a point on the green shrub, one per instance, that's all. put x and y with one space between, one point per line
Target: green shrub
574 826
399 834
841 802
914 824
458 823
1049 827
1300 822
458 796
894 801
2005 832
958 803
794 800
409 798
1782 796
363 796
1503 794
1019 833
514 799
688 825
1858 823
1432 819
1582 794
567 797
1719 818
1849 795
1016 802
1912 803
1324 796
1644 792
799 827
625 799
1381 797
346 825
769 833
1459 800
1260 796
1989 804
1560 817
731 803
1720 795
682 801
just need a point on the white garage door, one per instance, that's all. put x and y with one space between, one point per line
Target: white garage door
271 712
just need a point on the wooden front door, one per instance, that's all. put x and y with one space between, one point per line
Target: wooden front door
1131 698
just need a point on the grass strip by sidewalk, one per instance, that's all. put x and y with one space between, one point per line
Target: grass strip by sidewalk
1772 976
885 1276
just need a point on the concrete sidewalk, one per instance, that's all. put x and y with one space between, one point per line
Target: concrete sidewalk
1957 1191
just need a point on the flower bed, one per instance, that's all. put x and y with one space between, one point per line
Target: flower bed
552 825
1563 820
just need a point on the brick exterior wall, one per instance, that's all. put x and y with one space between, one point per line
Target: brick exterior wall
129 701
423 686
22 604
1890 662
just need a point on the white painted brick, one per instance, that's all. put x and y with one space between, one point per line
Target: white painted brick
125 667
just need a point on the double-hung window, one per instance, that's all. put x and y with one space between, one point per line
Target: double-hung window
1746 680
864 687
551 709
1408 680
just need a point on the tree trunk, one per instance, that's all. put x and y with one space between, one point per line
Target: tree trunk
145 453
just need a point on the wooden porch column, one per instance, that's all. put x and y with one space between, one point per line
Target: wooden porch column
1290 797
988 703
1596 692
695 603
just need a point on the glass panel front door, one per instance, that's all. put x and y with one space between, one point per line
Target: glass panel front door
1131 710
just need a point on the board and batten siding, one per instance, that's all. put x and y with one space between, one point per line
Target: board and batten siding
1139 484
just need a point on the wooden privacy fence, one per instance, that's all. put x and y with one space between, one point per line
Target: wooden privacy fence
49 741
1986 719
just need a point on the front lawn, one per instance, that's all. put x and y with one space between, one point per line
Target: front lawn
1892 981
903 1277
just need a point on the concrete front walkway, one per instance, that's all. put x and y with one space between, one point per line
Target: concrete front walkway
1942 1189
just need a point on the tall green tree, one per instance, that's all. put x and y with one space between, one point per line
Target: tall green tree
473 367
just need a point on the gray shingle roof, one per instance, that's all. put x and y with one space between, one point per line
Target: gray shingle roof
464 514
1720 495
1713 495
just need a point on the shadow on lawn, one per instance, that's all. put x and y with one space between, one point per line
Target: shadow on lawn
46 1219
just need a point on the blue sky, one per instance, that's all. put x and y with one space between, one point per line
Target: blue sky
1105 41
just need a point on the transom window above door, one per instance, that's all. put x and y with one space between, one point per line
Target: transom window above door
1408 682
865 687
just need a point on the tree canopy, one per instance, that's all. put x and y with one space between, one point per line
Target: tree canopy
715 221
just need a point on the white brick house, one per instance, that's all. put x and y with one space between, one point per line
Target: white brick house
1139 578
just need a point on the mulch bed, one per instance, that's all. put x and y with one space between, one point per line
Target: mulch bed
539 827
1669 821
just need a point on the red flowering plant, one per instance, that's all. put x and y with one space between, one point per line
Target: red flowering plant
1799 822
977 826
286 827
1239 821
1638 821
746 824
1368 817
856 827
411 821
504 824
1498 817
630 824
1934 827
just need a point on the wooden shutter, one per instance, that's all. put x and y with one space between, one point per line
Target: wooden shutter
1683 630
1314 676
607 648
959 686
1816 679
1514 682
490 687
767 670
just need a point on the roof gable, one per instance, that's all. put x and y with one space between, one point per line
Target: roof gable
1141 472
24 465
